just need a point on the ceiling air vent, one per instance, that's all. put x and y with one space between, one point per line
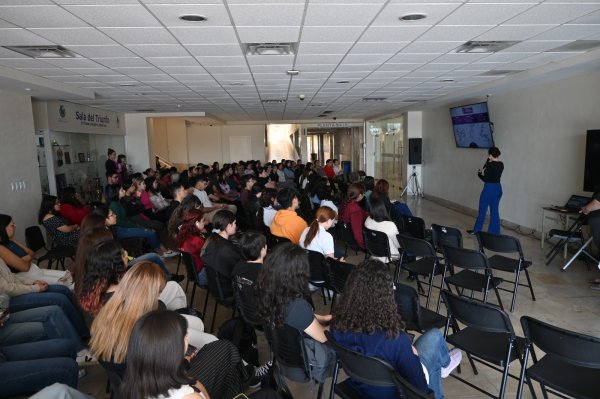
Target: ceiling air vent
43 51
269 48
576 46
374 98
475 46
273 101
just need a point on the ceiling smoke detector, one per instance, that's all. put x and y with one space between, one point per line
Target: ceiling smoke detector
43 51
270 48
483 46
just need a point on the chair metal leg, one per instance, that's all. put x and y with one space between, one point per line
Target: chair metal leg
498 296
193 293
212 325
514 296
530 285
336 370
430 290
205 303
320 391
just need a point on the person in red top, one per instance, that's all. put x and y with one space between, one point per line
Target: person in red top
191 239
329 171
71 208
354 214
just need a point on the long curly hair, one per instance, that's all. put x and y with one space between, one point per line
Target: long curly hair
87 240
368 303
283 277
104 267
188 227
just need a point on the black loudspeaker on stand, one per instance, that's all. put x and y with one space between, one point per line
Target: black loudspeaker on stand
414 151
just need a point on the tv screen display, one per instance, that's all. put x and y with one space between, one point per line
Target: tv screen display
472 127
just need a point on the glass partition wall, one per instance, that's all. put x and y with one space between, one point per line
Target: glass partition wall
75 159
388 142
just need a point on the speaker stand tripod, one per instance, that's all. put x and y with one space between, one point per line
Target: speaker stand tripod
413 183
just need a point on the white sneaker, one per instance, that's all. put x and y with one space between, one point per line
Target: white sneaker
169 254
85 358
455 359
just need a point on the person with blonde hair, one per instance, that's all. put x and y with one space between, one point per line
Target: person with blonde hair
316 237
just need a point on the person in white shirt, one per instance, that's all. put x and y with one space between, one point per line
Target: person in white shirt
316 238
380 220
199 183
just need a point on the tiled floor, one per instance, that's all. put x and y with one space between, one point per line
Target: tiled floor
563 299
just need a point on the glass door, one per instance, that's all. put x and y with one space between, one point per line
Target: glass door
389 153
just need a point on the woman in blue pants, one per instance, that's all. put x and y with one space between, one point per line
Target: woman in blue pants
491 193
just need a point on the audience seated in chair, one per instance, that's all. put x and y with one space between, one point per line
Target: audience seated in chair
354 214
64 234
254 250
191 239
365 319
380 220
71 207
19 258
287 223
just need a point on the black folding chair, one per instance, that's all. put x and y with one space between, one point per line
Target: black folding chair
488 337
475 276
445 236
415 317
507 244
414 226
348 238
291 360
245 301
318 271
35 241
377 245
338 274
216 284
570 366
276 240
368 370
425 263
192 277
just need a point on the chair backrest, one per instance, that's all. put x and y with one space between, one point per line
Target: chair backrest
287 344
190 266
377 243
34 238
407 303
416 246
245 301
465 258
446 236
362 368
572 347
476 314
215 282
316 263
348 235
278 239
338 274
373 371
414 225
499 243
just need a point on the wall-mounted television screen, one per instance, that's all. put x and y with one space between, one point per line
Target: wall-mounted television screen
472 126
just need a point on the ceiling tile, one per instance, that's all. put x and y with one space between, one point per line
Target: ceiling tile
569 32
129 36
222 61
123 62
74 36
101 51
591 18
214 49
168 14
340 14
266 14
158 50
377 48
72 62
485 14
513 32
431 47
24 63
434 12
172 61
39 17
20 37
464 33
331 34
268 34
183 69
204 35
324 48
115 15
366 58
554 13
534 46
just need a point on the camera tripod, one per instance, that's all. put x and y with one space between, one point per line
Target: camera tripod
413 183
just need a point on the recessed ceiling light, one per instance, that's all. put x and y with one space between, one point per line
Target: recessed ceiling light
412 17
193 18
343 81
28 89
292 72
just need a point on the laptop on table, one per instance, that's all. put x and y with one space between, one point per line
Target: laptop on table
574 204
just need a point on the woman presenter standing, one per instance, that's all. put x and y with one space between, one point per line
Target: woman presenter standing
491 193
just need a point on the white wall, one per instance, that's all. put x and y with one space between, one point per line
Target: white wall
137 142
541 133
18 161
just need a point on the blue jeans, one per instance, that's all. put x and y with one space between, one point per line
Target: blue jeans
433 354
490 197
138 232
151 257
55 295
36 324
202 279
27 368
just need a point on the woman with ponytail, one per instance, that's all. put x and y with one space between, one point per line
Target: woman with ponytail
315 237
